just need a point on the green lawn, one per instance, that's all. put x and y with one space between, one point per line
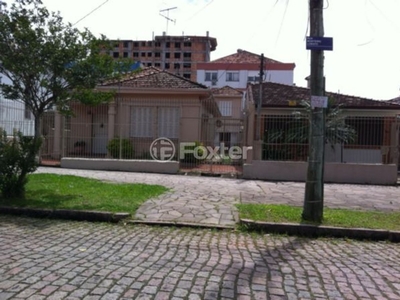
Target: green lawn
72 192
332 217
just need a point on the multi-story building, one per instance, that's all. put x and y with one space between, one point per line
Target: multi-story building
237 69
175 54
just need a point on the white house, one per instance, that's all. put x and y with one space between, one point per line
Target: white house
14 115
237 69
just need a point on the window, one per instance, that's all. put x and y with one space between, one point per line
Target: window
143 54
225 137
253 78
135 44
143 44
186 75
167 55
177 44
211 76
116 54
149 64
149 54
116 45
177 66
187 54
157 65
369 130
167 44
177 55
149 44
125 54
187 44
135 54
126 44
141 122
225 107
187 65
157 44
166 66
168 122
232 76
157 54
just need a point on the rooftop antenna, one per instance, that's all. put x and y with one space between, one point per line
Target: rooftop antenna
167 16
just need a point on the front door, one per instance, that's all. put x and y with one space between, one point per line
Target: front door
100 134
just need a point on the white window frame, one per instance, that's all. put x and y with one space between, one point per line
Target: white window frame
225 107
211 76
232 76
168 122
142 120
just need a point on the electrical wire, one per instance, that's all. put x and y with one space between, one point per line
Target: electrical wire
200 10
88 14
281 25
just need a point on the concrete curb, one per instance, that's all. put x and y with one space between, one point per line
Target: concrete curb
180 224
66 214
326 231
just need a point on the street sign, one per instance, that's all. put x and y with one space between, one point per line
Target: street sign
319 101
319 43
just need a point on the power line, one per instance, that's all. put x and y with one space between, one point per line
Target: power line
200 10
87 15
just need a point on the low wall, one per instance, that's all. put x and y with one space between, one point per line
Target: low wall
147 166
333 172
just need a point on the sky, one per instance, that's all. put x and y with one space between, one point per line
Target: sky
365 60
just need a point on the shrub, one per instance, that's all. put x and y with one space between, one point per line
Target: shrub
120 147
17 159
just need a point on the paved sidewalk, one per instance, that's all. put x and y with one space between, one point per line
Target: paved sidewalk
211 201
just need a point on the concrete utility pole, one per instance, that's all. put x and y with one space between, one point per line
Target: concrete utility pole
259 104
314 193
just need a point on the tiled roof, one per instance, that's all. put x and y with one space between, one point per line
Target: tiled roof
281 95
152 77
395 100
242 56
226 91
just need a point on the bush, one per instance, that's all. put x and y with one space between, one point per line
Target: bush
190 157
123 147
17 159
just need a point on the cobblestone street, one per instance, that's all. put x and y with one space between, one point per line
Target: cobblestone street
51 259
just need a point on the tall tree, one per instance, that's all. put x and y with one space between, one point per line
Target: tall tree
49 62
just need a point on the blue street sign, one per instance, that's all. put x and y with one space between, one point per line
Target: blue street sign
319 43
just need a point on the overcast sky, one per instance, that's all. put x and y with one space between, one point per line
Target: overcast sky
365 60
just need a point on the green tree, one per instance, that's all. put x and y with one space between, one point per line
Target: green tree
51 63
336 129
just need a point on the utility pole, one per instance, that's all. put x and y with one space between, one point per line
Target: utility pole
259 104
314 191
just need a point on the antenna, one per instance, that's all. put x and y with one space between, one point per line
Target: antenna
167 16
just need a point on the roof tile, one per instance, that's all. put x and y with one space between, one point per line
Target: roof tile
151 77
281 95
243 56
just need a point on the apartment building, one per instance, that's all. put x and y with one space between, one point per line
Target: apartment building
176 54
239 68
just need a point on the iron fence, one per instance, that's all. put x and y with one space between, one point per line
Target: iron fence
348 139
